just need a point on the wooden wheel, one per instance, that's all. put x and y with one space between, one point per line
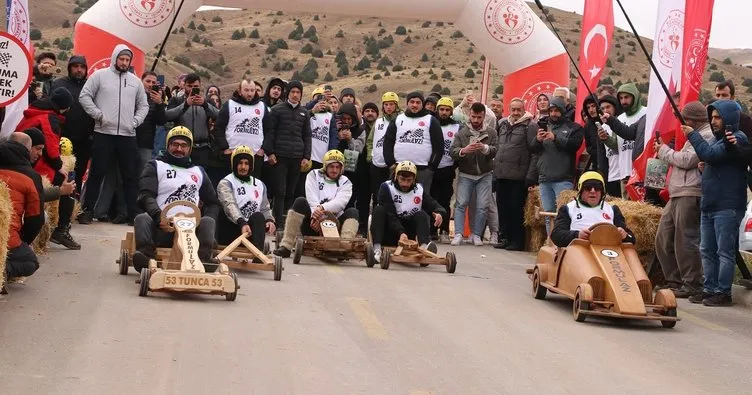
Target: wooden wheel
669 313
267 247
386 257
124 261
539 291
451 262
370 262
579 306
298 253
230 297
277 268
167 211
144 286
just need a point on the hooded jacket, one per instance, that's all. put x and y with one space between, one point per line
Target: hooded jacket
267 99
219 94
45 81
148 129
223 119
631 124
631 89
514 158
556 161
434 130
42 116
590 132
78 124
358 140
25 187
686 179
195 118
602 146
724 185
116 100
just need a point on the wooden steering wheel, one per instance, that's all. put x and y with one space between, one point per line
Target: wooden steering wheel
194 213
604 233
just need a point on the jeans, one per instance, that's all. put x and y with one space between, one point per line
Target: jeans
160 140
465 188
549 192
719 235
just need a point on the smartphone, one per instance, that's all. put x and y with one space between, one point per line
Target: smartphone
71 176
156 88
195 91
161 80
598 125
543 123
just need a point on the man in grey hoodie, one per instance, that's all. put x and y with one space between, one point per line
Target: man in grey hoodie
116 100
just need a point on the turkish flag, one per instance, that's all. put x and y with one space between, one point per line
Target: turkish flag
699 16
597 31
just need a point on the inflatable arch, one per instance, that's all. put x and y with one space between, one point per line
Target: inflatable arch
507 32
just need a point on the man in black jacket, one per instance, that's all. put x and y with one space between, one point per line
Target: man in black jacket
169 178
415 136
44 74
288 145
274 93
78 126
156 117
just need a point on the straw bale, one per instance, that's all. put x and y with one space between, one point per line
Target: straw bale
533 201
536 238
6 212
39 245
69 163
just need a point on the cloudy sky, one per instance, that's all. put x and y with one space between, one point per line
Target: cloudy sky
731 19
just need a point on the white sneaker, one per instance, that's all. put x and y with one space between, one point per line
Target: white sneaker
494 238
477 240
457 240
377 255
444 238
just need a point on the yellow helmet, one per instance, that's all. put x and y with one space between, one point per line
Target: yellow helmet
242 149
406 166
333 156
66 146
445 101
588 176
389 96
317 91
180 131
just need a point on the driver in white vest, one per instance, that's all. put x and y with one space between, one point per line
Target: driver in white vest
327 192
405 211
574 220
244 202
169 178
242 120
415 136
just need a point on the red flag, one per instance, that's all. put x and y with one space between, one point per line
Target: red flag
699 15
597 31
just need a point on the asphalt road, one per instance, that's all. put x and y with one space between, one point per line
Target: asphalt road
77 327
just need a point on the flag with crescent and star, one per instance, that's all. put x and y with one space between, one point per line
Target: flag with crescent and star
597 32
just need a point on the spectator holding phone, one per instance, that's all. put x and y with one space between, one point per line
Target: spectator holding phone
193 111
156 117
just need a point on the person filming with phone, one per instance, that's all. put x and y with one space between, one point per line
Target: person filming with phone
156 117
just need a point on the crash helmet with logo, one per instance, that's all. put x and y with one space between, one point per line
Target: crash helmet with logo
66 146
180 132
241 152
333 156
405 167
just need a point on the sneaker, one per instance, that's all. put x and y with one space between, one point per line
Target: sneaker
494 238
684 293
103 219
698 298
120 219
718 300
457 240
85 218
140 261
282 252
431 246
444 238
63 237
377 255
477 241
434 237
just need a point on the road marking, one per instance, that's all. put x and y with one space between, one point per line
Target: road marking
334 269
703 323
367 318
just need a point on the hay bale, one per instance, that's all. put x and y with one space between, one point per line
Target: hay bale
39 245
6 212
69 163
533 201
565 197
536 238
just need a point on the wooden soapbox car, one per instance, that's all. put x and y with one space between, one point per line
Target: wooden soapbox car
604 277
408 252
178 269
241 253
331 246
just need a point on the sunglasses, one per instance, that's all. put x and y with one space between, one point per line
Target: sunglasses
593 187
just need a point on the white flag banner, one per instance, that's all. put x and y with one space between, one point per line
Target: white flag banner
18 25
667 53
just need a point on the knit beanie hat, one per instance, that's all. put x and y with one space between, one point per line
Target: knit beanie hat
37 137
126 52
346 92
294 84
414 95
61 99
372 106
695 111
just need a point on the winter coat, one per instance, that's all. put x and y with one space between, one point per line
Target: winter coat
724 184
685 179
556 161
25 187
514 158
45 81
195 118
384 199
561 234
289 133
476 163
267 99
41 116
78 124
115 100
146 131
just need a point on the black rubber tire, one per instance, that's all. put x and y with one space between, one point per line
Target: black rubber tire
277 268
144 286
267 247
386 257
230 297
669 313
124 261
539 291
451 264
370 262
298 251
